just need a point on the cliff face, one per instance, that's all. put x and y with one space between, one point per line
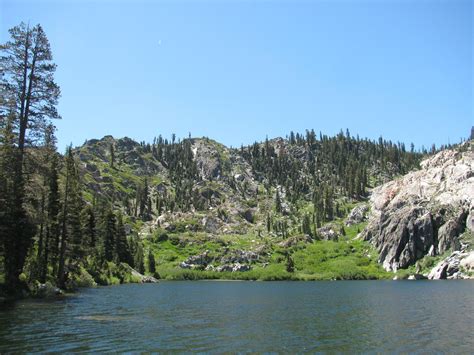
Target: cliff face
424 212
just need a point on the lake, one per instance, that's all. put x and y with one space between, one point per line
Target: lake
217 316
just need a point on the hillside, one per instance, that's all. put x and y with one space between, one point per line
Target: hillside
199 178
275 209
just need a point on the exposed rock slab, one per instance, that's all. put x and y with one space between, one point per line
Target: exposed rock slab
455 266
424 211
357 215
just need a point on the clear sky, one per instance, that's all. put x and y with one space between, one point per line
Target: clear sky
238 71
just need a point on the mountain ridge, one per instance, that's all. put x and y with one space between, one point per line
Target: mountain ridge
229 193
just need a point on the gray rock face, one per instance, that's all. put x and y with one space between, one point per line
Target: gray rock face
447 236
417 277
249 215
240 257
240 268
149 280
453 267
141 277
328 232
237 267
357 215
196 261
467 263
234 261
211 224
403 237
470 221
207 158
424 212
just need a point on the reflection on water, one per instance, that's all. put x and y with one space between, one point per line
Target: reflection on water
345 316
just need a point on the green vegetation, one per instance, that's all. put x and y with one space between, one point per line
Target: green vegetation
346 259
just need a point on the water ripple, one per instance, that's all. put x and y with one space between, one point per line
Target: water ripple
252 317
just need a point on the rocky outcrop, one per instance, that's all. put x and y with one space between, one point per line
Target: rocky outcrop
249 215
140 277
208 158
417 277
328 232
211 224
470 221
148 280
232 261
196 261
456 266
357 215
237 267
424 211
240 256
467 263
448 233
46 290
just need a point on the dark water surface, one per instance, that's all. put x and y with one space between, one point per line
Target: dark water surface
345 316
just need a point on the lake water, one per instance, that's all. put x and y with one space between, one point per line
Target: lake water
207 316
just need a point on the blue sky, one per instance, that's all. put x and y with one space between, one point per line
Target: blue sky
238 71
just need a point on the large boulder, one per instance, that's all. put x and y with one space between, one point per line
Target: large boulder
357 215
46 290
470 220
455 266
211 224
196 261
328 232
467 263
138 276
237 267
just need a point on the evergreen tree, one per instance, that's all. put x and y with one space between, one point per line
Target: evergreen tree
61 277
54 207
269 223
28 96
290 264
151 263
306 225
71 231
90 228
278 206
74 209
138 259
110 231
16 229
112 155
342 231
121 246
51 241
